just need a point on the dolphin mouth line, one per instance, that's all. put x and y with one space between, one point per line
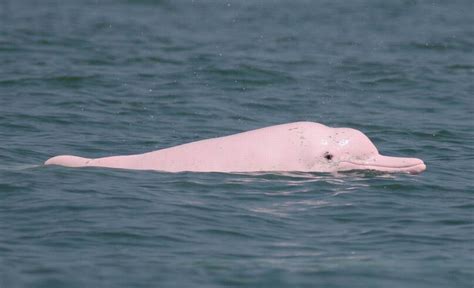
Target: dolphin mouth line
410 168
381 165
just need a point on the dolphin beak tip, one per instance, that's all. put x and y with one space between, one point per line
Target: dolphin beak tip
418 168
409 165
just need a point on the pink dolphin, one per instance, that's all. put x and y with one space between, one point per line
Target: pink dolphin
299 146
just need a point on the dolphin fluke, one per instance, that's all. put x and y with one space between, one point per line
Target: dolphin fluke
68 161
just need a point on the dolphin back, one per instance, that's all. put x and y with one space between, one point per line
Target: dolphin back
68 161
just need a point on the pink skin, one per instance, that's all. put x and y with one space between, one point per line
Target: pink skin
299 146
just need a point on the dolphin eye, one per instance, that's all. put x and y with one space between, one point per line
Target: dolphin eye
328 156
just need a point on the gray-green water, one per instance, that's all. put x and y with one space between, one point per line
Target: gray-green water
96 78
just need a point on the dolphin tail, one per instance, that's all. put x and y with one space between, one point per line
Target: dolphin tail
68 161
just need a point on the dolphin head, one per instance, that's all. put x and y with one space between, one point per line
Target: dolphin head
349 149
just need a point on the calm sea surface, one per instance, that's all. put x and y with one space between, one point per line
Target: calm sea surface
97 78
